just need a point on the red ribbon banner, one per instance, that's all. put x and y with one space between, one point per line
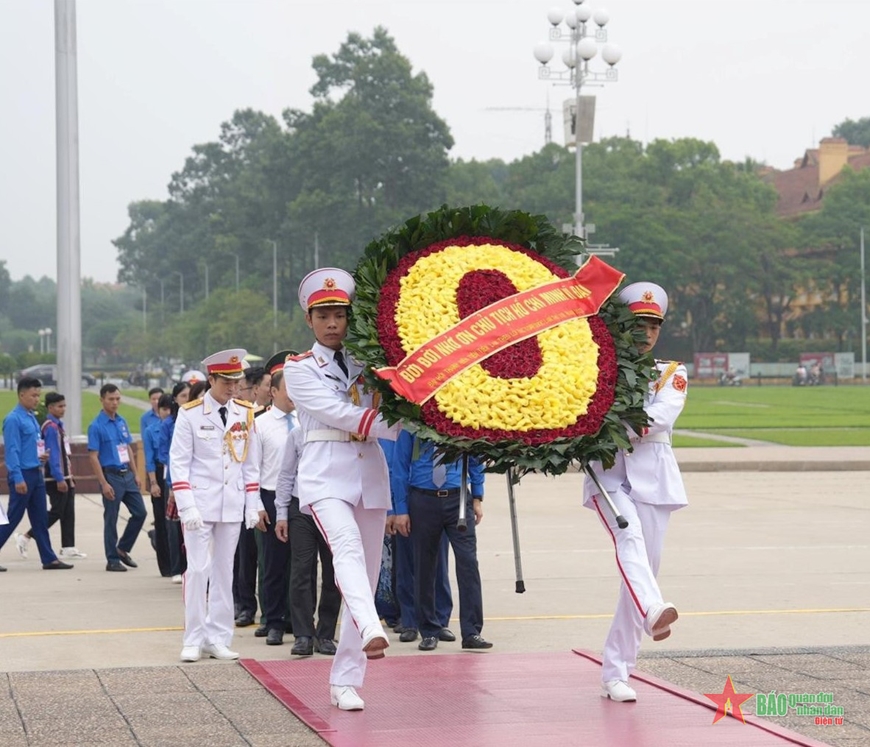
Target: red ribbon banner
498 326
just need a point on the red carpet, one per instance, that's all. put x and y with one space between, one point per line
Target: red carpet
505 699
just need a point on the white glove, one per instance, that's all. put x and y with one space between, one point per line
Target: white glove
191 518
252 518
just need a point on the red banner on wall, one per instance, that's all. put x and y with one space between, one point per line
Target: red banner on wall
498 326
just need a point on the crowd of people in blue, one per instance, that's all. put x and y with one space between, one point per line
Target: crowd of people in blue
258 475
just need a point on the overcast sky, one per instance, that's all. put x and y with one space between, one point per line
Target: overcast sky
760 78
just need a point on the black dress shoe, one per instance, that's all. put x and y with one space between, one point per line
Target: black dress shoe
244 620
446 635
324 646
57 565
304 646
475 641
408 635
399 628
127 560
115 567
275 637
262 631
2 569
428 644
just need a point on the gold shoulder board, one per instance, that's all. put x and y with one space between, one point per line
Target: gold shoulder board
191 405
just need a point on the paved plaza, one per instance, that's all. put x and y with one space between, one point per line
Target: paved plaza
768 568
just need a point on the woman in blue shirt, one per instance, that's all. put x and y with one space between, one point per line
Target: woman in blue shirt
177 563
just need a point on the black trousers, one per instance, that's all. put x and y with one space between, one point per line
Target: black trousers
161 535
62 508
306 543
430 516
245 573
275 588
174 540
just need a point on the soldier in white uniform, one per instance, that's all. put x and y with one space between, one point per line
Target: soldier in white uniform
342 480
646 486
216 480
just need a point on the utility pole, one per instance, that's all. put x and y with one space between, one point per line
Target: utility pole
863 314
69 294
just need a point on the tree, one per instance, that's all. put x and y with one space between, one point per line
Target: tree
855 133
371 158
832 237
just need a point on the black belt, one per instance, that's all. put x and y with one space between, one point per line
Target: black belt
117 470
439 493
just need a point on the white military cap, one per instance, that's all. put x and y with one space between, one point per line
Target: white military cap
192 376
646 299
327 286
226 363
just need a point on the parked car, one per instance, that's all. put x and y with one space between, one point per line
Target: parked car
47 374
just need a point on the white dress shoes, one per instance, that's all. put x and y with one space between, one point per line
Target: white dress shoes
345 698
374 641
219 651
659 619
191 653
619 691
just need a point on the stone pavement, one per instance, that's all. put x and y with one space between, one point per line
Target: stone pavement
769 569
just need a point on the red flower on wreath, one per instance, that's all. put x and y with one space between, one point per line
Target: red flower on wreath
475 290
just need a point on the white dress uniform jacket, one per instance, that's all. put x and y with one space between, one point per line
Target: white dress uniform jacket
333 465
649 473
205 454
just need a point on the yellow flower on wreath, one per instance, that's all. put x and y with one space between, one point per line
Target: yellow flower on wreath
555 397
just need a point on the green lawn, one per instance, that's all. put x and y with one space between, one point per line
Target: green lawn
691 441
793 416
90 408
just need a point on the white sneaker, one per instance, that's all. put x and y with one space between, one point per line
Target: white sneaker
219 651
374 641
21 541
659 619
176 579
191 653
71 552
619 691
345 698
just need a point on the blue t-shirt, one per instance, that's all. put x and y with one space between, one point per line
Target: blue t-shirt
105 435
167 429
20 434
147 420
151 442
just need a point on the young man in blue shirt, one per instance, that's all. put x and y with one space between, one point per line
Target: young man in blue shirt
59 482
152 416
25 456
426 494
114 465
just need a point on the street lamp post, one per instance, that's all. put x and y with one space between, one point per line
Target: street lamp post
237 272
181 293
583 41
274 295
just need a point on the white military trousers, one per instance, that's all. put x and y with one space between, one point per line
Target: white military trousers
355 536
638 554
208 583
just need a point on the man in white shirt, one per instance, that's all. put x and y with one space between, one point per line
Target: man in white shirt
273 428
